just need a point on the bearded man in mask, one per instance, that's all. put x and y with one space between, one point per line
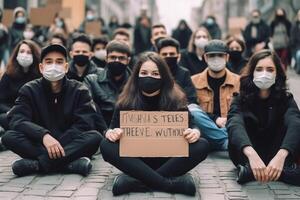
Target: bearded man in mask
53 122
108 84
81 54
215 87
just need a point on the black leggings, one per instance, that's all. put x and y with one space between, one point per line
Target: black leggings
153 172
82 145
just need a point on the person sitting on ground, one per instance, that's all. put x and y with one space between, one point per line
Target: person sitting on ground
81 54
106 86
215 87
263 124
22 67
98 47
151 87
53 122
168 49
192 58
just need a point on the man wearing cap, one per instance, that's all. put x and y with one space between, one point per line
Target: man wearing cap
53 121
215 87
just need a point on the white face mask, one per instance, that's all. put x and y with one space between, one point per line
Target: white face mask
54 72
28 35
264 80
100 54
201 42
25 60
216 63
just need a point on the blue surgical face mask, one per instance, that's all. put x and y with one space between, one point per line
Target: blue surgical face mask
210 21
20 20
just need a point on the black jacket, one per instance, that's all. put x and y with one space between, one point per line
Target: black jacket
182 77
99 63
105 91
38 111
190 61
91 69
236 66
15 35
263 34
281 129
295 39
9 88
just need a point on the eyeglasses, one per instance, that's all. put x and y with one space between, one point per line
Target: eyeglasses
119 58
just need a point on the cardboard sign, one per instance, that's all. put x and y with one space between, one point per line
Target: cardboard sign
93 28
153 134
42 16
236 24
8 17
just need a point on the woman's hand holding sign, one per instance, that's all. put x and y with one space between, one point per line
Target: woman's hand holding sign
114 135
192 135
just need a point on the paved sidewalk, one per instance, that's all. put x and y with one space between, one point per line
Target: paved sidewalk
215 179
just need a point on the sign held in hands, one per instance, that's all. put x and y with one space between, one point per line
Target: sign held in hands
153 134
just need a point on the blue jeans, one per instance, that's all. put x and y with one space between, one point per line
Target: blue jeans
217 137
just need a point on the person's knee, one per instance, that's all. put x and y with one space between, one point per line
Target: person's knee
200 149
93 138
107 150
8 139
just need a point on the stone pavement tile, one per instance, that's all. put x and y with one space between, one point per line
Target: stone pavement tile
66 187
87 191
211 191
8 195
264 194
212 197
49 179
107 195
210 185
57 198
278 192
6 188
236 194
86 198
60 193
30 198
184 197
278 187
41 187
139 196
286 197
162 195
35 192
94 185
22 180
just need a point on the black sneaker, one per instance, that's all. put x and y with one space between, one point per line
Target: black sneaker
24 167
182 185
244 174
80 166
124 184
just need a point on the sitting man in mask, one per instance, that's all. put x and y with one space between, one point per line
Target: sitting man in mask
81 54
168 49
215 87
106 86
53 122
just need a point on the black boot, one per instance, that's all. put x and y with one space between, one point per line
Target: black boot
24 167
291 175
80 166
244 174
182 185
124 184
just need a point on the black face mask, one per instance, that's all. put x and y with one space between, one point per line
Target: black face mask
81 60
172 62
116 68
235 55
149 84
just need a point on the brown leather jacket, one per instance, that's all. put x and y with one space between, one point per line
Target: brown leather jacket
205 93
